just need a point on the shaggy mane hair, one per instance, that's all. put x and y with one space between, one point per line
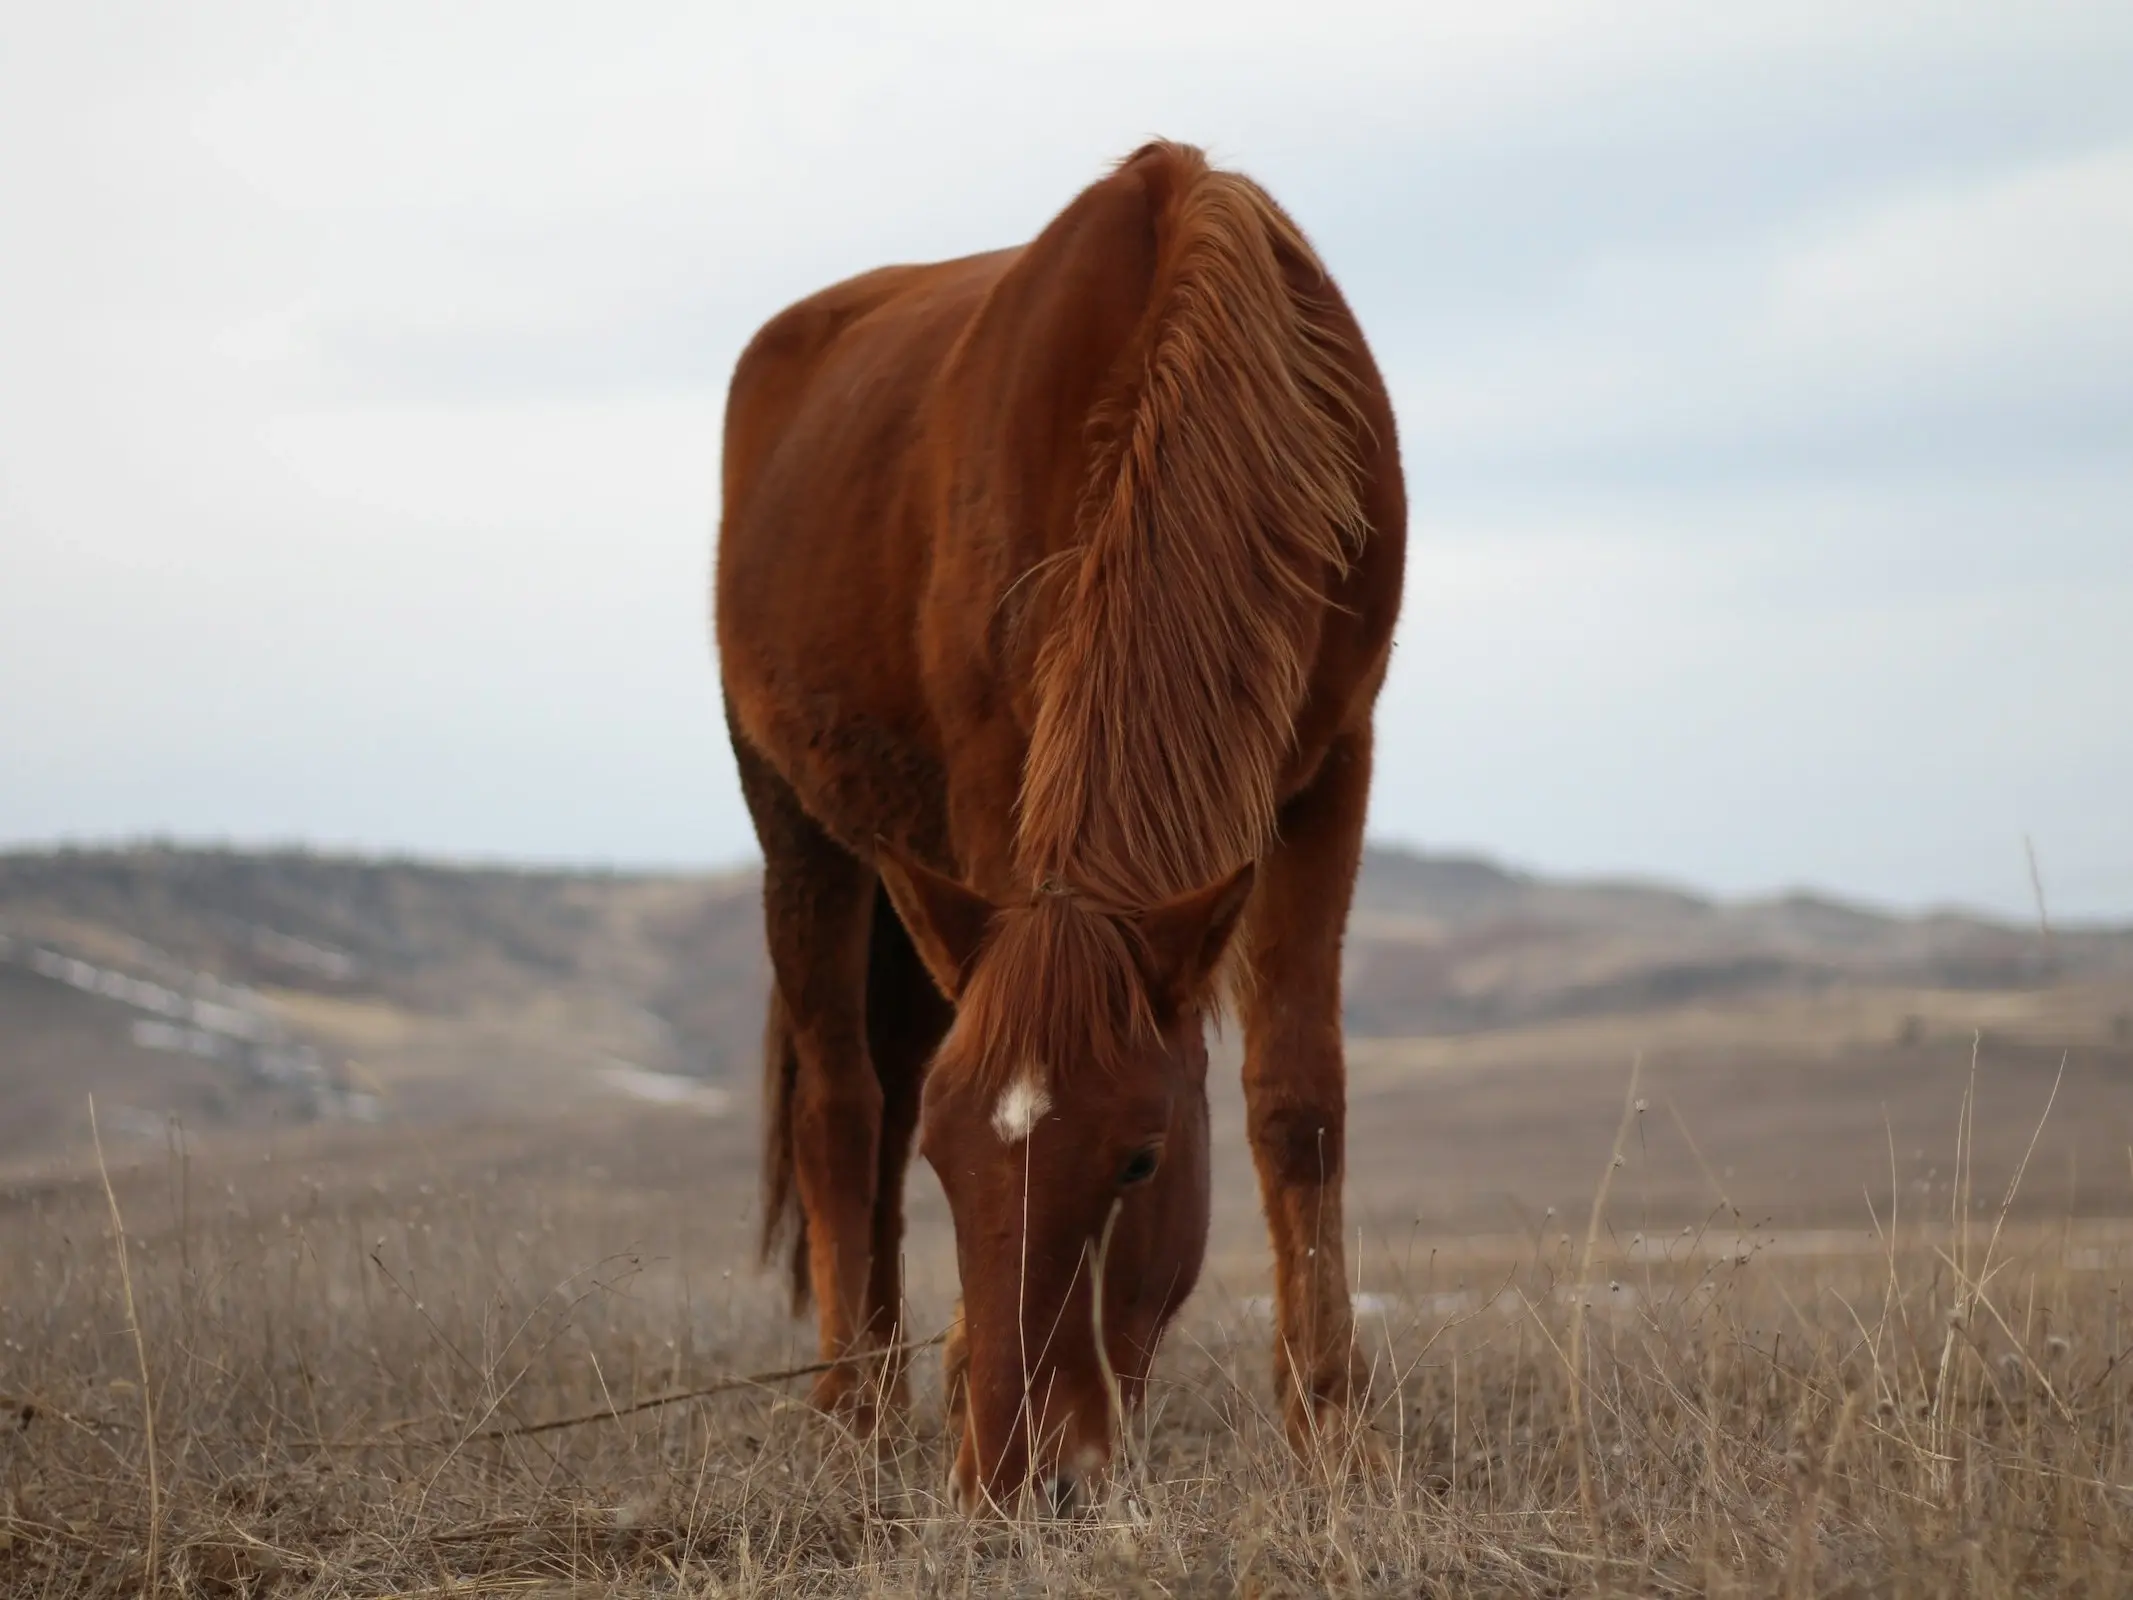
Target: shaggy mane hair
1222 503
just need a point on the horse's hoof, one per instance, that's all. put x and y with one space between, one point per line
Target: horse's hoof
1335 1437
854 1400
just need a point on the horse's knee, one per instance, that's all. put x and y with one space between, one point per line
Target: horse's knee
840 1105
1298 1143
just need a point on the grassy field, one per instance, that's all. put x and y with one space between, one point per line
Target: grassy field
330 1363
1762 1249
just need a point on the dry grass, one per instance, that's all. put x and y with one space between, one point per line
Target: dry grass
340 1380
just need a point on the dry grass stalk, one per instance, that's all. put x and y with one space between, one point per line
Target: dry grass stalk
153 1581
1583 1296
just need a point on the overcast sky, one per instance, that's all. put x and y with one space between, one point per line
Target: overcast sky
1765 377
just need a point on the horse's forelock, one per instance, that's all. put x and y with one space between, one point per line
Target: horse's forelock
1060 983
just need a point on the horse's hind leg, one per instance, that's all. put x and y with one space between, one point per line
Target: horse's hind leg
1295 1082
906 1017
818 904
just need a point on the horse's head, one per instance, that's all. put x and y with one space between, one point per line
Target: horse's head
1066 1116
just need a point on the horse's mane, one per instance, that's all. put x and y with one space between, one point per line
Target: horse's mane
1222 502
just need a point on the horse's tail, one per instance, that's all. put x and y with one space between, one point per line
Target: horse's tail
784 1218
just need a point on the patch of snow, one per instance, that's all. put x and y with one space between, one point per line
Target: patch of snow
667 1089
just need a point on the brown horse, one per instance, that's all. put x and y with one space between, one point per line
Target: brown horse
1055 587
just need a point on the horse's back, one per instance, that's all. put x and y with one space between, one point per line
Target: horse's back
832 373
821 552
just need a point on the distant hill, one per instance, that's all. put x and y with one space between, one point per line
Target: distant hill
1454 944
232 986
388 987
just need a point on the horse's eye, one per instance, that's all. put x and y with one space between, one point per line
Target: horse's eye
1140 1168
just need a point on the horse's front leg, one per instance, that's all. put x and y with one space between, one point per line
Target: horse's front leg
1295 1083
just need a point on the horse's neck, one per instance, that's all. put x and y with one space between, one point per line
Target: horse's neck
1160 645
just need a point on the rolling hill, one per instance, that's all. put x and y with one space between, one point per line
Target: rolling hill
241 991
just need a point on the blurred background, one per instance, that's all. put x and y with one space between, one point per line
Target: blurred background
1766 383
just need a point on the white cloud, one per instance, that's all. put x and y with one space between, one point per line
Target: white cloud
1751 705
1968 307
1973 282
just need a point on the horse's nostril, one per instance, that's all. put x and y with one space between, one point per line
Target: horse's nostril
1061 1492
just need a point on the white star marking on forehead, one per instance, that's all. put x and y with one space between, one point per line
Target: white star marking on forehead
1020 1108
